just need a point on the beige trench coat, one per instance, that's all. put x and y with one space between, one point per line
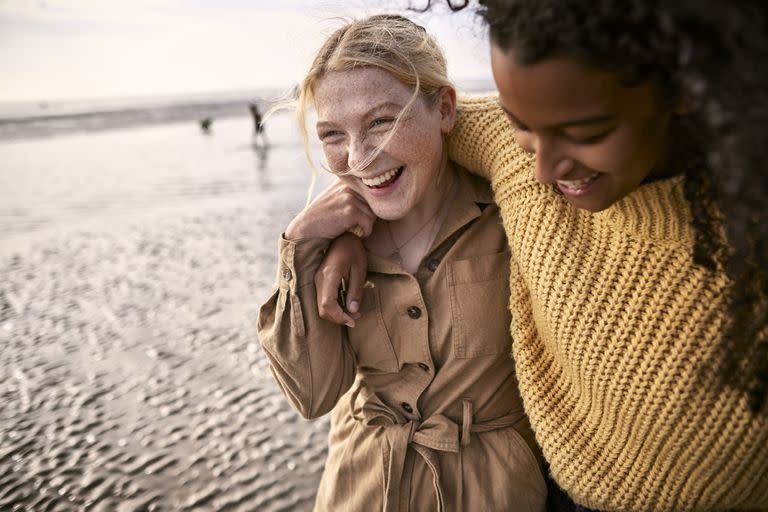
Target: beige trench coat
426 409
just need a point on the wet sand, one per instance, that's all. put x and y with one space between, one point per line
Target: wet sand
131 378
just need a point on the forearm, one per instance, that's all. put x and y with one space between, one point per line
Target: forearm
309 357
482 140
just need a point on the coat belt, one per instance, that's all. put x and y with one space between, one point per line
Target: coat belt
436 433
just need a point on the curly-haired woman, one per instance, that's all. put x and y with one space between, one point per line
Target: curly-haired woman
626 149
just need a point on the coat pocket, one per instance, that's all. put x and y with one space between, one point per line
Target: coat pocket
369 338
479 294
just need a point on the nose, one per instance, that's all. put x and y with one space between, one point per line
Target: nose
357 154
551 164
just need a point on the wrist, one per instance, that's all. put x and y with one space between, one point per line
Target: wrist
294 230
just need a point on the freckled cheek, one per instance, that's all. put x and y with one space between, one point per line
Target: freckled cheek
416 146
336 158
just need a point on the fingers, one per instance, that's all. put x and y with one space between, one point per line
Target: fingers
357 211
357 230
362 203
355 288
348 196
356 261
363 227
336 210
345 259
327 284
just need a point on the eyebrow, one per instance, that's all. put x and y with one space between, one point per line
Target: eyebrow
582 121
371 112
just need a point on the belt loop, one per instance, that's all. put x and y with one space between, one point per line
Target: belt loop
414 427
352 400
466 421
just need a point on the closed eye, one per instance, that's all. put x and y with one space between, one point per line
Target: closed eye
520 128
590 139
327 135
382 121
516 125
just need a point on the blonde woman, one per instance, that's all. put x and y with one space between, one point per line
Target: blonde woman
426 414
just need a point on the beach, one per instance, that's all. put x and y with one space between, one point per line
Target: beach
133 262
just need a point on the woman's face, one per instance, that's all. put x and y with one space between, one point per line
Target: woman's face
595 139
356 111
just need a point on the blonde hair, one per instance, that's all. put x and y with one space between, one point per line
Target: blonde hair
386 41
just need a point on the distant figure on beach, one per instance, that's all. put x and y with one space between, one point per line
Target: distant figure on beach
205 124
258 125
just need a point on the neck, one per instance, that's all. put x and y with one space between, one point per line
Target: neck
427 208
410 238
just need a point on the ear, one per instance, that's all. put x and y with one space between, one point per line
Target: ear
446 102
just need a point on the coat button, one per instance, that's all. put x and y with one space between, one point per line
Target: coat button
433 264
406 407
424 367
414 312
287 275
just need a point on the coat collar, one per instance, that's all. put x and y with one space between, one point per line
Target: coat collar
470 196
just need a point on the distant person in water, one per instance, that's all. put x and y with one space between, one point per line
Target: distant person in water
258 125
205 124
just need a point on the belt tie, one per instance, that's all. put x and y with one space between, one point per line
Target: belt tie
436 433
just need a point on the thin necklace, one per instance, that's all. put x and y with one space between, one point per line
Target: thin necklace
396 253
432 220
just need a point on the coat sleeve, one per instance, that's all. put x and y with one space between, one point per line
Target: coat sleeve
483 140
310 358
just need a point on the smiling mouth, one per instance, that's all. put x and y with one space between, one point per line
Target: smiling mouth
577 185
383 180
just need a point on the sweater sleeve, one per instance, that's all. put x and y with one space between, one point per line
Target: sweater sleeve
310 358
483 141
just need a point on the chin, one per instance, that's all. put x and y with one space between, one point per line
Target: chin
390 210
592 206
388 213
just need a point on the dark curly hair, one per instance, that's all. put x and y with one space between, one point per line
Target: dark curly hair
714 57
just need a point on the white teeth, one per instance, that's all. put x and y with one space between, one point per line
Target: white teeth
577 184
381 178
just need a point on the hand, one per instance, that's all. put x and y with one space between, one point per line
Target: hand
345 259
335 211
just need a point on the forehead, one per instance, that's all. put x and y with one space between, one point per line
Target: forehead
342 93
557 89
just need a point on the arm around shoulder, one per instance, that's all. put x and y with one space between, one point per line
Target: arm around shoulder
483 140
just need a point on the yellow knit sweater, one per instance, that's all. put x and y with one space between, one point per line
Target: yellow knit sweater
616 336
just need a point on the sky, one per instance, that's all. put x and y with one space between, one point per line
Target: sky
79 49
